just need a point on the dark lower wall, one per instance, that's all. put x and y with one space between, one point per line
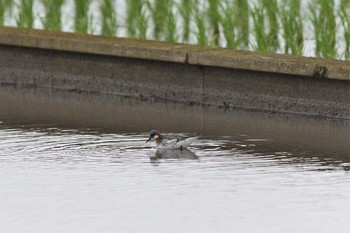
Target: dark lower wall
178 82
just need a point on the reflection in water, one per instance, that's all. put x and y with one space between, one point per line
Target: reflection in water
270 133
173 154
50 176
76 163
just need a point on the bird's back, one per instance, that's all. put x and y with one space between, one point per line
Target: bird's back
176 142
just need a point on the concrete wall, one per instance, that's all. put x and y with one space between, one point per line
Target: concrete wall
174 72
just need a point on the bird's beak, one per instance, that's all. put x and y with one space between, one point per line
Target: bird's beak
148 139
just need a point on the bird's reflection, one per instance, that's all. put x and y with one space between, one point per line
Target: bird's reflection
173 154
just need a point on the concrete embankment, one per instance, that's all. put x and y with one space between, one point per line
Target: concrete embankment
174 72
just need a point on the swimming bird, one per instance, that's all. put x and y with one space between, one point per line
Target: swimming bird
171 142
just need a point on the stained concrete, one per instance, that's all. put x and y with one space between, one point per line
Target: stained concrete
174 72
182 53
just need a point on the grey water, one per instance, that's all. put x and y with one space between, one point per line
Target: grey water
79 163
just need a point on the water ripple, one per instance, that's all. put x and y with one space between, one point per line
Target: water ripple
49 175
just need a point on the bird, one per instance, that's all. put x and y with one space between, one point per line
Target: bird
170 142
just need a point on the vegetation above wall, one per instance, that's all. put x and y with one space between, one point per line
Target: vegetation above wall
318 28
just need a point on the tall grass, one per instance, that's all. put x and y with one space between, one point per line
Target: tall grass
262 25
142 24
292 25
25 14
200 25
82 19
133 10
265 25
52 17
108 18
344 14
271 10
5 6
170 22
242 13
259 25
214 20
323 20
137 19
185 9
228 23
158 10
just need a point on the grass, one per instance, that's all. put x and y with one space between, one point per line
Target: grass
214 20
134 8
344 12
323 21
228 22
185 9
271 10
242 13
159 10
200 26
170 22
136 19
292 25
142 24
5 6
262 43
25 16
82 19
265 25
52 17
108 18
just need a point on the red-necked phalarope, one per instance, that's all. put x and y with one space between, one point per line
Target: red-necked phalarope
174 142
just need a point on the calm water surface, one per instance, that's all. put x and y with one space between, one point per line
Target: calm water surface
79 163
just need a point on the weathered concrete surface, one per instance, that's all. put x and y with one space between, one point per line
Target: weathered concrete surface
163 51
181 73
274 63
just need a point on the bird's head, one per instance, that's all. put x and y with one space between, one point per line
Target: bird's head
154 134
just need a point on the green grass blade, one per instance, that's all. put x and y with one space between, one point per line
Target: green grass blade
228 23
323 20
158 10
242 11
52 17
292 26
185 9
170 32
82 19
271 11
25 15
344 14
5 6
134 9
261 36
200 19
108 18
214 18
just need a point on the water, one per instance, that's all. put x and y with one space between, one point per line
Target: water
79 163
